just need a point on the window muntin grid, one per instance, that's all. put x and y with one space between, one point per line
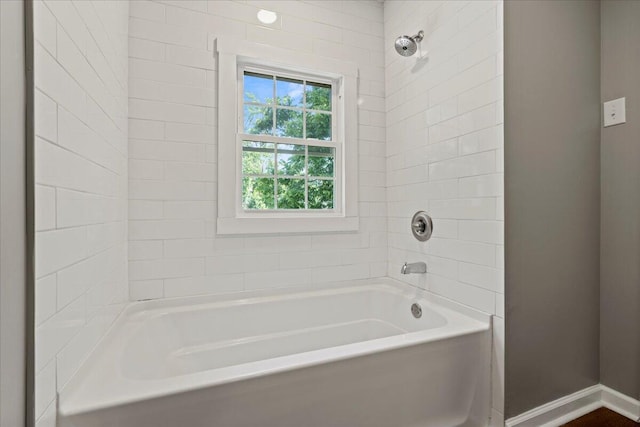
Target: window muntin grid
285 117
278 176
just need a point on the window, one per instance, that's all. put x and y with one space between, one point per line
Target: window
289 151
287 176
287 141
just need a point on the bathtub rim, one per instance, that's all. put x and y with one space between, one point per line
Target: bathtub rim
133 308
467 321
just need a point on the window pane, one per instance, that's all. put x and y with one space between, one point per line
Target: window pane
289 91
319 126
321 194
258 120
290 193
289 123
258 193
258 88
318 96
290 160
321 160
258 158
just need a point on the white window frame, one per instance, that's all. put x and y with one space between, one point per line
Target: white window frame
233 57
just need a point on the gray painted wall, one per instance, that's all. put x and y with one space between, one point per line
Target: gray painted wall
620 189
552 199
12 214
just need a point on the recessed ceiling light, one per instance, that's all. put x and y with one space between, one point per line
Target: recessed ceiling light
267 16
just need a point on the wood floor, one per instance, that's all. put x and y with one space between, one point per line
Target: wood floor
602 417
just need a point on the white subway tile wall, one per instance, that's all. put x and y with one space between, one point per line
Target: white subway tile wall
81 149
444 154
173 246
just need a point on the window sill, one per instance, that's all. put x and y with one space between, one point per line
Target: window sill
226 226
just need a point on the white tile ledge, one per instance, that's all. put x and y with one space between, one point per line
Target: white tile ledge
567 408
286 225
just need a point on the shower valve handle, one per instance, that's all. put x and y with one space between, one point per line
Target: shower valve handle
421 226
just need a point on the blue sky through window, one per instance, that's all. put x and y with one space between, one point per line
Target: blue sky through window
259 86
293 89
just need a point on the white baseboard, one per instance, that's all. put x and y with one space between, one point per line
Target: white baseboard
620 403
567 408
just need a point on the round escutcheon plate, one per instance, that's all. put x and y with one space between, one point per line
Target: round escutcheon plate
421 226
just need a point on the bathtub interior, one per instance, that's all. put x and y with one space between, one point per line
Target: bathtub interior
188 339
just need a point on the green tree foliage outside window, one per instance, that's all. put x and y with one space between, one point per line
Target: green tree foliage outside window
304 111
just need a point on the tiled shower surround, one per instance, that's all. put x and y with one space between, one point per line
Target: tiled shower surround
444 148
173 247
444 118
81 185
430 138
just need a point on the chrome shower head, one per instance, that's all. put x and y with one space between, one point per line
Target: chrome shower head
407 46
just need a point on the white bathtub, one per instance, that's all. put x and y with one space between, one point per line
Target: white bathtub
344 355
